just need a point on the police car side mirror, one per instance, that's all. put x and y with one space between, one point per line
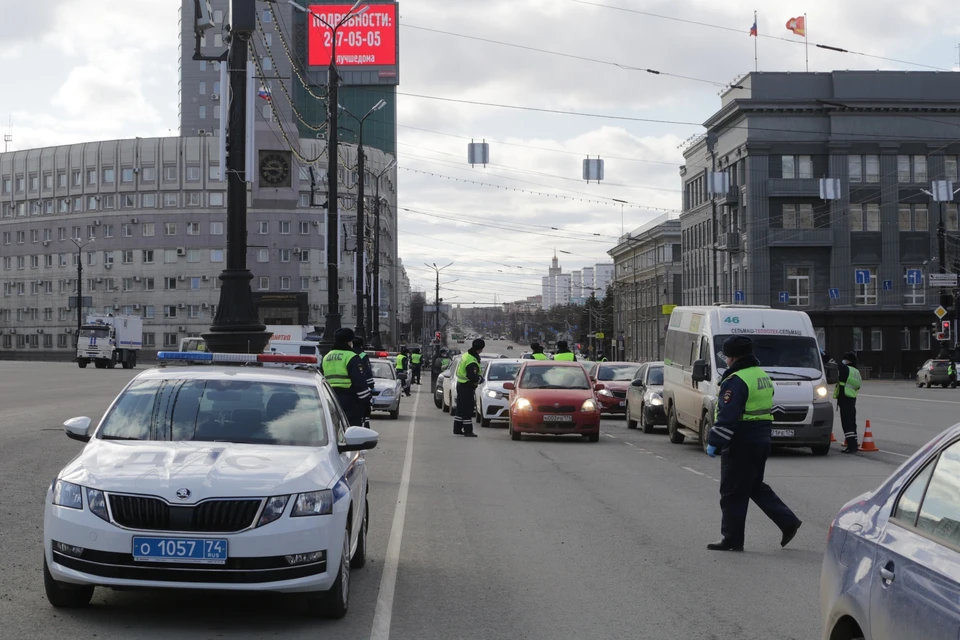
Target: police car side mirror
509 386
359 439
832 371
701 371
78 428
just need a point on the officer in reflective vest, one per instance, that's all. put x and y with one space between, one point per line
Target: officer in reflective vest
538 353
403 366
416 359
845 394
344 372
564 353
468 379
358 345
741 431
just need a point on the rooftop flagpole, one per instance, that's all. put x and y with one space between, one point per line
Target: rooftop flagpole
806 42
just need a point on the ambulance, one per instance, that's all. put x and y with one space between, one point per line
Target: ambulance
784 341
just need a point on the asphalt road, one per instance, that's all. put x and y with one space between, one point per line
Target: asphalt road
544 538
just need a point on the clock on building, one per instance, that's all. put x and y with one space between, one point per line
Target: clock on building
274 169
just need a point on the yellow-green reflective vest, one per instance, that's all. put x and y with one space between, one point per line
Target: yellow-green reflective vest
759 395
851 386
539 356
415 358
465 361
400 360
335 368
444 363
568 356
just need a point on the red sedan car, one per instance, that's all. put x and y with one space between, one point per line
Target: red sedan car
554 398
616 378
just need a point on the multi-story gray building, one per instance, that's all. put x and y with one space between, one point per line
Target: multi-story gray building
156 209
647 276
850 261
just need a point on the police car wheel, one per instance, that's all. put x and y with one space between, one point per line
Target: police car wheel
333 603
395 414
63 595
437 401
360 555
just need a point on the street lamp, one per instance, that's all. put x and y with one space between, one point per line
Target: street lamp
437 323
375 316
361 170
333 249
80 245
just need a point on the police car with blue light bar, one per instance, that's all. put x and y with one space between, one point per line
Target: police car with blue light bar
219 474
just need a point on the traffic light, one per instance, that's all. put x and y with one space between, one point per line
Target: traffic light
945 329
437 335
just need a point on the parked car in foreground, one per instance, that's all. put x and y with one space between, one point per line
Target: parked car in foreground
892 566
645 398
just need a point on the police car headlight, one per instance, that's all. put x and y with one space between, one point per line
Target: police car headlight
388 392
97 503
273 510
315 503
821 394
605 392
67 494
492 394
524 405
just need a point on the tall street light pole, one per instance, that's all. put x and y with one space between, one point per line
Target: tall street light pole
359 279
375 306
80 245
333 111
437 321
237 327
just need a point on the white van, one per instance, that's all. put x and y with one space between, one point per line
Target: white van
294 348
786 345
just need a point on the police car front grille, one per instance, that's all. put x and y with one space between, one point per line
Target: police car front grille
211 516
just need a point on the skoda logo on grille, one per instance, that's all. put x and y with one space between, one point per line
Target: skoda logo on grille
183 494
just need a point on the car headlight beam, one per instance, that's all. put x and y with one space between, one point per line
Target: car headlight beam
655 400
588 406
273 509
315 503
67 494
821 394
524 405
492 394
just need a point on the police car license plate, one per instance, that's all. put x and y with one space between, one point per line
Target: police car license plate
782 433
188 550
557 418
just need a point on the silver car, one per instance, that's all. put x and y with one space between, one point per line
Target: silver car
493 402
386 391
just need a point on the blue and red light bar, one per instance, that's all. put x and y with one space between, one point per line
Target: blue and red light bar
258 358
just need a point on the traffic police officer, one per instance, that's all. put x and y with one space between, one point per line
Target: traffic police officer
538 353
415 361
440 364
403 369
343 370
741 431
845 394
468 378
358 345
563 352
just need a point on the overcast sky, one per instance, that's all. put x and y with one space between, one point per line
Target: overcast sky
77 70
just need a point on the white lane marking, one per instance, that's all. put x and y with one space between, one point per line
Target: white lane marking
629 444
863 395
900 455
610 436
693 471
388 582
661 457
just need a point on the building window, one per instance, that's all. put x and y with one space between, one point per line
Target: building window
170 173
170 200
193 311
284 255
147 256
263 227
304 228
216 228
950 217
304 255
91 176
914 292
108 175
924 339
304 283
284 283
92 203
857 339
195 283
169 228
263 255
169 256
797 166
149 339
193 198
148 201
148 285
108 231
148 174
905 339
148 229
170 311
126 175
193 173
126 230
264 283
193 255
285 227
911 169
798 216
129 201
867 293
216 199
48 181
864 217
171 339
913 217
213 172
170 283
876 339
216 255
193 228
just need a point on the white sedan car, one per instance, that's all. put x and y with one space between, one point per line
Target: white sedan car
387 387
215 478
493 401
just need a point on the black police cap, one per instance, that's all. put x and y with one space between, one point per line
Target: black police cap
737 347
344 334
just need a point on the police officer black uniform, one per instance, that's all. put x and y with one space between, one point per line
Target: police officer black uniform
416 360
563 352
741 431
358 345
538 353
344 372
468 378
845 394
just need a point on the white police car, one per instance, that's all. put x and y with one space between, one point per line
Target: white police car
213 477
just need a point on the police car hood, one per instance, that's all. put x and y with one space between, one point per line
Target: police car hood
384 383
206 469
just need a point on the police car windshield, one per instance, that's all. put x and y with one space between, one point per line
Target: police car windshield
617 372
238 411
793 352
554 377
383 370
502 371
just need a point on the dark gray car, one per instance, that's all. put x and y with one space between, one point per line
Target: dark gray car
934 372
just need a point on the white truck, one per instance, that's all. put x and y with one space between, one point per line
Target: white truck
110 340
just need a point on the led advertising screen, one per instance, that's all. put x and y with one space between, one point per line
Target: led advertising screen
365 40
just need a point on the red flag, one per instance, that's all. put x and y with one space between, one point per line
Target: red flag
753 29
797 26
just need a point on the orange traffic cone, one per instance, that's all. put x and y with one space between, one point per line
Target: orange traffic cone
868 444
833 438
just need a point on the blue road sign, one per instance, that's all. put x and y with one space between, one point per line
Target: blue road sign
863 276
914 276
784 297
739 296
834 294
888 285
